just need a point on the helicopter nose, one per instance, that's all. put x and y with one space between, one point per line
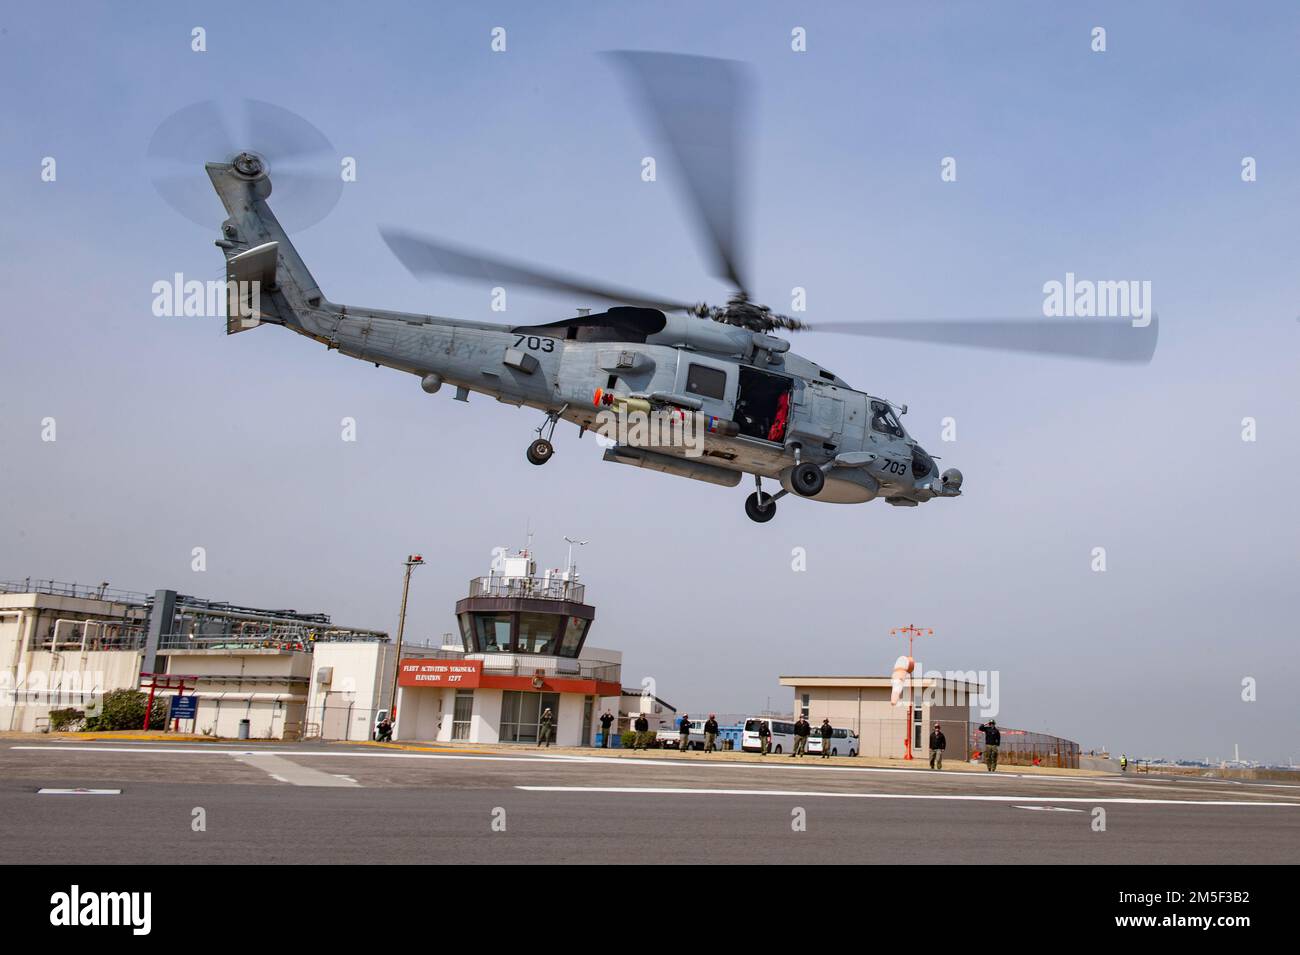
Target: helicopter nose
951 479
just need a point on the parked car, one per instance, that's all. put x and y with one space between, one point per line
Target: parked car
843 742
671 738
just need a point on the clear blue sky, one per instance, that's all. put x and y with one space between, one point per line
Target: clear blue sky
1113 166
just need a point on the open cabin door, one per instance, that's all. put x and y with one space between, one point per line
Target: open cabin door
763 404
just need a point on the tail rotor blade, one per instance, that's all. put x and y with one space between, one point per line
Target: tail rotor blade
306 179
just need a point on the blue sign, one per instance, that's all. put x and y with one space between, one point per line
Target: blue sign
184 708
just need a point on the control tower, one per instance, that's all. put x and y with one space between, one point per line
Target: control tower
523 650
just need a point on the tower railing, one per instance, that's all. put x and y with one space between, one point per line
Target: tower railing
534 588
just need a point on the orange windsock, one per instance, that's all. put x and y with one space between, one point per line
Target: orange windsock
898 680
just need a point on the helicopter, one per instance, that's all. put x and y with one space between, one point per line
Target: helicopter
721 373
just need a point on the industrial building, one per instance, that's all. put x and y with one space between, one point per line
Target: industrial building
274 674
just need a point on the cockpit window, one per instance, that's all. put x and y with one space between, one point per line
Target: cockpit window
884 420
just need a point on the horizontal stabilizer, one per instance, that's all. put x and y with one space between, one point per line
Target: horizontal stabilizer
249 275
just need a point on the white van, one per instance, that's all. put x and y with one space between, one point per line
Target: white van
843 742
782 735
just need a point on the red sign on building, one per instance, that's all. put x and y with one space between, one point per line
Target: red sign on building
440 673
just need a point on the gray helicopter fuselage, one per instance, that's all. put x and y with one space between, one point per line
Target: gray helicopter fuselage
826 416
764 408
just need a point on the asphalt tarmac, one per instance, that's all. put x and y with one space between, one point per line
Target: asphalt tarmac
327 803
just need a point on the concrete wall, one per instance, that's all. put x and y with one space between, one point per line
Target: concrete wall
419 712
346 706
44 681
77 678
253 684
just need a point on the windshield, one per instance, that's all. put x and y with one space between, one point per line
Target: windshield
884 420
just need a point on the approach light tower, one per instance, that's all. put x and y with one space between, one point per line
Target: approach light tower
911 633
412 561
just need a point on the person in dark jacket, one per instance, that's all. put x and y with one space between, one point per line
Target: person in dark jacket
764 738
938 743
684 734
992 740
641 726
606 721
826 732
547 725
711 733
802 730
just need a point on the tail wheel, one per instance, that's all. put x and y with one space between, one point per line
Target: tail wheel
807 480
540 451
760 507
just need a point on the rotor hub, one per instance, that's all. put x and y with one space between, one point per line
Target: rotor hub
249 165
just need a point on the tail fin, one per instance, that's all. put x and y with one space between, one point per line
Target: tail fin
266 279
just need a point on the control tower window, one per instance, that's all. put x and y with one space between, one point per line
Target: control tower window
493 632
574 630
884 420
539 632
706 382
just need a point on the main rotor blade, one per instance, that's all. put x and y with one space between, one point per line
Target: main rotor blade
698 106
423 256
1095 339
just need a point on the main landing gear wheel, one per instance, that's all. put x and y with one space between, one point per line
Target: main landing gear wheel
540 451
760 507
807 480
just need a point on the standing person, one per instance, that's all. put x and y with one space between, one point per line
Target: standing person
641 726
548 718
711 733
684 734
826 732
992 740
802 730
606 721
1123 762
938 743
764 738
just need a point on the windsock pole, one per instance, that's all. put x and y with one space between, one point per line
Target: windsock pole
912 633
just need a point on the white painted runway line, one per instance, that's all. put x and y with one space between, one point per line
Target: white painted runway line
78 792
287 771
1049 808
958 797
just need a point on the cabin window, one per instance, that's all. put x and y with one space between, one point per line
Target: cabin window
706 382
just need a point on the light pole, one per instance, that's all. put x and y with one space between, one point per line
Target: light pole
912 633
572 541
412 560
